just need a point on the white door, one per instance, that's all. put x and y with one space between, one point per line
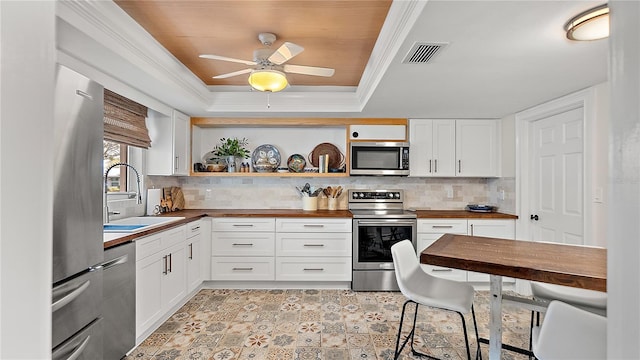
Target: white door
557 181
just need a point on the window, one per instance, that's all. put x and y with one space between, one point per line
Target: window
114 153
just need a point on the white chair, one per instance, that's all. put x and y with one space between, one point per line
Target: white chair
421 288
589 300
569 332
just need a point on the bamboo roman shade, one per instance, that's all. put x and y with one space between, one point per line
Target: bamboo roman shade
124 121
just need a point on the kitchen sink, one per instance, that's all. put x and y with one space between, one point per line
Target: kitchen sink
138 223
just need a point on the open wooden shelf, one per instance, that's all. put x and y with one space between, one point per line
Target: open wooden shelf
270 174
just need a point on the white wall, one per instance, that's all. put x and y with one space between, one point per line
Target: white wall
27 60
623 271
600 143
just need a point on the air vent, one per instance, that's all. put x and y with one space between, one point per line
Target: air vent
422 53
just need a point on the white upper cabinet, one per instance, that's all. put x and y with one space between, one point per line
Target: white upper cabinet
448 148
477 144
169 152
432 147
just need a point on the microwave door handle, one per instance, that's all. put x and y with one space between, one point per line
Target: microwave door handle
400 159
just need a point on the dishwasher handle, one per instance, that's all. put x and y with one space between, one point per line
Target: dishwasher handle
115 262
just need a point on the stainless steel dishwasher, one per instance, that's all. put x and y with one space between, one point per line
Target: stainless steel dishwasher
119 305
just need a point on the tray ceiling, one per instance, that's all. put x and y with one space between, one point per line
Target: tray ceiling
334 34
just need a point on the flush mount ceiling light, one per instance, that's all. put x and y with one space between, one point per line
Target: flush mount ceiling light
592 24
268 80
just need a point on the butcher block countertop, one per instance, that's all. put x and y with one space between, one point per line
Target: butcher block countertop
461 214
190 215
114 239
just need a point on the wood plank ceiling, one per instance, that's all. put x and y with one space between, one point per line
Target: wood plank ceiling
336 34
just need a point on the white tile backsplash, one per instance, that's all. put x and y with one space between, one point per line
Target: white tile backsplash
279 192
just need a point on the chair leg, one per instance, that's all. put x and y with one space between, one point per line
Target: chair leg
411 335
466 337
398 347
475 325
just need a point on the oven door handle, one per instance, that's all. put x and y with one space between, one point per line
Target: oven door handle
387 222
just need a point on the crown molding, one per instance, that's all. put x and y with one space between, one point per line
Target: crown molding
108 25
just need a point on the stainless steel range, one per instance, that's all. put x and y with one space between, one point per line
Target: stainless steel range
379 221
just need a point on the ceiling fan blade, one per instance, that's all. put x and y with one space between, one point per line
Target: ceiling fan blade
235 73
285 52
308 70
224 58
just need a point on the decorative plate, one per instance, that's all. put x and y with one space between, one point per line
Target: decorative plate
481 208
296 163
265 158
336 159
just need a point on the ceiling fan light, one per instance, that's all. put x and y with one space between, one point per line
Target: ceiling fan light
268 80
592 24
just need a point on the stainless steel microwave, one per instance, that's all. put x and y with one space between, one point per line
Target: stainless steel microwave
379 158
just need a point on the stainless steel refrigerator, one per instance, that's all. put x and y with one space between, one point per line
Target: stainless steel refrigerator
77 218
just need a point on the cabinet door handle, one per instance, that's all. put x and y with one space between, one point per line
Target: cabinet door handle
242 269
442 226
242 244
176 163
314 245
314 225
471 226
243 225
459 166
165 268
191 251
170 264
313 269
436 165
429 165
441 270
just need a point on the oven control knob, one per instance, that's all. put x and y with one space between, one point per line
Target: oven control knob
361 195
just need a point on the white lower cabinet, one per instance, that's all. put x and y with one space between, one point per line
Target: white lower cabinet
313 249
430 230
281 249
160 275
194 259
242 249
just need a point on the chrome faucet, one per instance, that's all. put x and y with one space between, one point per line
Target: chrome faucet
106 188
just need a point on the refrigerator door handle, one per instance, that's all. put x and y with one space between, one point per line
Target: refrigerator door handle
78 350
70 295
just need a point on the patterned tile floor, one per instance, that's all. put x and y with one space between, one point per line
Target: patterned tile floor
316 324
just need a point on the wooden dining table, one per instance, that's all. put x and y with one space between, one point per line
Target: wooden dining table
569 265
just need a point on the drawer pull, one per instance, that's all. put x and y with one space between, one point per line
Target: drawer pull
242 244
195 228
313 269
314 225
243 225
242 269
441 270
314 245
442 226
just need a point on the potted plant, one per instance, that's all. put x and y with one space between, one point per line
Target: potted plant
230 148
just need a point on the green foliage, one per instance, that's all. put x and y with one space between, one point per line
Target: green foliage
235 147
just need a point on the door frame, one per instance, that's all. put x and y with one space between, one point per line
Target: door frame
524 126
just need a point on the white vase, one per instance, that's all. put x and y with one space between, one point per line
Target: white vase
231 163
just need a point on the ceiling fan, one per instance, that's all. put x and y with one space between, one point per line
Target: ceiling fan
268 66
